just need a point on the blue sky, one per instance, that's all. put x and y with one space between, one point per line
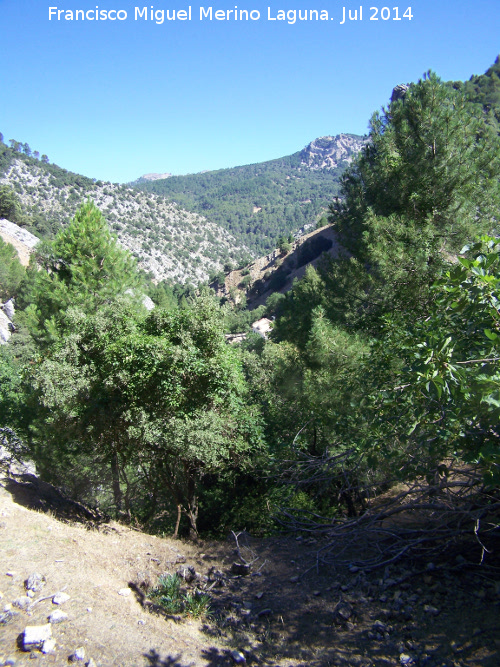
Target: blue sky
116 99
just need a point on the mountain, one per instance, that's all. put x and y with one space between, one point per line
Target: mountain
168 241
485 90
259 203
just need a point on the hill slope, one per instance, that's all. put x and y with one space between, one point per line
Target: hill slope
258 203
167 240
289 612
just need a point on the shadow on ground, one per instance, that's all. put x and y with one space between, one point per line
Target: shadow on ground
31 492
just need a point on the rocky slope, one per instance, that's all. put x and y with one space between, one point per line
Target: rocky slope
331 152
22 240
168 241
276 271
94 578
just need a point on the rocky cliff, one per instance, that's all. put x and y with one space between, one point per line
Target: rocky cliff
331 152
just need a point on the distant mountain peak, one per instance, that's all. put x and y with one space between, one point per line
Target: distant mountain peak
154 177
328 152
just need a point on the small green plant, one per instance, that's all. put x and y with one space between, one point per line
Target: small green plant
196 604
168 596
167 593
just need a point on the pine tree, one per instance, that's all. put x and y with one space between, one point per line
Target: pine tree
84 266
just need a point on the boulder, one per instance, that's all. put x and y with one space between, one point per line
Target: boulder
35 636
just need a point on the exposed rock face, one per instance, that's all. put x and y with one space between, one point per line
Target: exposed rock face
6 324
329 152
399 91
22 240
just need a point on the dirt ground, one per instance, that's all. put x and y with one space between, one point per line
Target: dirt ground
287 612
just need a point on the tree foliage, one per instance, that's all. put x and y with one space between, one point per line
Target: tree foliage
160 399
83 267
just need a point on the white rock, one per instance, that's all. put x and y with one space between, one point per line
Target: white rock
23 602
78 655
49 646
60 598
91 663
35 635
58 616
35 582
9 310
125 592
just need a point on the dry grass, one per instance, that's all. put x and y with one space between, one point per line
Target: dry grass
284 615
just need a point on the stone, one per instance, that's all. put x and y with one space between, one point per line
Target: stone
91 663
429 609
238 658
7 616
188 573
9 309
35 635
23 602
78 655
125 592
35 582
294 579
49 646
405 659
344 611
242 569
378 626
60 598
58 616
265 612
399 92
259 595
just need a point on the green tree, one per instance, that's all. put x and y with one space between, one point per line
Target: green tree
11 271
431 159
159 400
83 267
448 389
10 206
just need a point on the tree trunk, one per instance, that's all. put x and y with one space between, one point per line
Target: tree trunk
115 476
179 514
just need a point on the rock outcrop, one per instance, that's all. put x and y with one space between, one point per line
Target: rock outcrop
22 240
330 152
399 91
6 321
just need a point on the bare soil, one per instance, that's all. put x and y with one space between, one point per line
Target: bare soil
288 612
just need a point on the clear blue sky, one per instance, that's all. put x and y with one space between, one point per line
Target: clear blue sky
117 99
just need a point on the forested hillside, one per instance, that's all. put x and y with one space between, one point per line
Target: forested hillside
168 241
258 203
377 393
485 89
